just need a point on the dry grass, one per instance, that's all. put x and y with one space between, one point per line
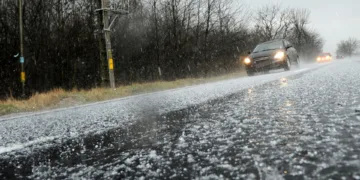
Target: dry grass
59 98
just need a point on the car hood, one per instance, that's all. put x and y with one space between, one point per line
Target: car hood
269 53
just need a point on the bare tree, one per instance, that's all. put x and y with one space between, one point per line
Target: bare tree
299 20
348 47
272 22
157 36
307 42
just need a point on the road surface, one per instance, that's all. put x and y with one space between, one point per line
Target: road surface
302 124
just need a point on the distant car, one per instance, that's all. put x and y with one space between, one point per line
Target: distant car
271 55
324 57
339 57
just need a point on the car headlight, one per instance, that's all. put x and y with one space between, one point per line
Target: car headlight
328 57
319 59
247 60
279 55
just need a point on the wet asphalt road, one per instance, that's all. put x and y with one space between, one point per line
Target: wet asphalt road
304 126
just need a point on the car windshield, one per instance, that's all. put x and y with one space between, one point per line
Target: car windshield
269 46
325 54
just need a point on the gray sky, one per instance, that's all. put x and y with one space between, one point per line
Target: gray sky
334 20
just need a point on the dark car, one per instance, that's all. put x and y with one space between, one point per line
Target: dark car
339 57
271 55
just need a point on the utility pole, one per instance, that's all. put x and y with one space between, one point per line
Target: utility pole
105 12
107 31
22 59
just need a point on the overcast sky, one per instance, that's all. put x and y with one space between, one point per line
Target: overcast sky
334 20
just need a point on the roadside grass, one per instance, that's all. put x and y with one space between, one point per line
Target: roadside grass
59 98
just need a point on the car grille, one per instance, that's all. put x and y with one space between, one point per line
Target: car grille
262 62
262 58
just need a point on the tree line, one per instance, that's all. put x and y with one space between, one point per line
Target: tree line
348 47
158 40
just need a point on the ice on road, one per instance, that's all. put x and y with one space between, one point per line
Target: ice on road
19 131
303 124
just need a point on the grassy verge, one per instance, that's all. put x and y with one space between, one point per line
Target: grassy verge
59 98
